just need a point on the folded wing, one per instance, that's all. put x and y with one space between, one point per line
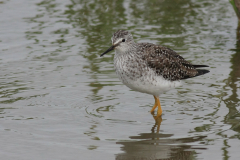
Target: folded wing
170 65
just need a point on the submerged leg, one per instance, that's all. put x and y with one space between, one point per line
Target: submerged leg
158 121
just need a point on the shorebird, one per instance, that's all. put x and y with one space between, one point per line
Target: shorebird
149 68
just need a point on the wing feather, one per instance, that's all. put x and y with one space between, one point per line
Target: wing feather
167 63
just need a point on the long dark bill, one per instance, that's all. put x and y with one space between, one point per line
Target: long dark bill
108 50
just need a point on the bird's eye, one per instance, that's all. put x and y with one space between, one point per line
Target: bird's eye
123 40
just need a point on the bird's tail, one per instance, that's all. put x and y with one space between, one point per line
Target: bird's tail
199 66
201 72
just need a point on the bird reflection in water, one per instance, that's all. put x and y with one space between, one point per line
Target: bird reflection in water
159 146
158 121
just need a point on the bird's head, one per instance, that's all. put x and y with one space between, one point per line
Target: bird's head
121 41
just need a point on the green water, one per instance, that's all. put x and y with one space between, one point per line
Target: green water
60 100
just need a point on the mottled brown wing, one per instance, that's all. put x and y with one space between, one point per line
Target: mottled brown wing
168 63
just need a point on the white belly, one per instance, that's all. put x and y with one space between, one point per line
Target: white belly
154 86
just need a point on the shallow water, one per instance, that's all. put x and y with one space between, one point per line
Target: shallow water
60 100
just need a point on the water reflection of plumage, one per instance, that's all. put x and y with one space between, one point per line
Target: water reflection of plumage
151 146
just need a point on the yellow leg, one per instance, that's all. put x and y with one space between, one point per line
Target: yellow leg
159 112
157 104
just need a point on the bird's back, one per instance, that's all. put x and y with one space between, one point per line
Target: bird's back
167 63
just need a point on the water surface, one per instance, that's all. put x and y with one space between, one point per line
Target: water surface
60 100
